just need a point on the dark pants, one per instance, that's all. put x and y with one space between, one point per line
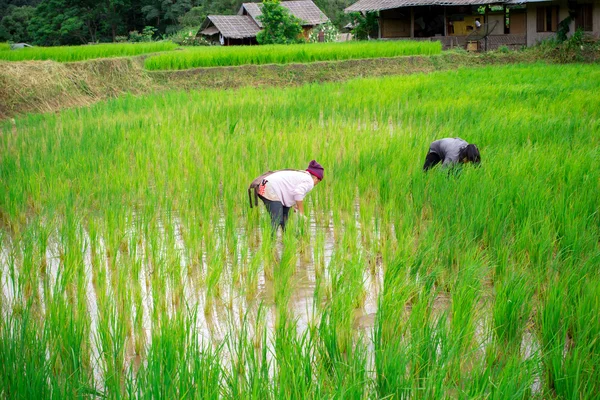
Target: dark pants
279 213
431 161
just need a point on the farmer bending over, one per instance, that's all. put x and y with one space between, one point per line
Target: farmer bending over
450 151
281 190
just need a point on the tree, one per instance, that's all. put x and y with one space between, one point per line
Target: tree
365 25
279 26
194 17
165 14
57 22
113 12
6 5
334 9
14 25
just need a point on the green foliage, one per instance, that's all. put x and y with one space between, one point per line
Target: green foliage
187 37
13 26
282 54
279 26
563 29
165 15
364 26
576 48
57 22
145 36
329 32
334 9
194 17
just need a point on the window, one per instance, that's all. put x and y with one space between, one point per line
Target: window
583 18
547 19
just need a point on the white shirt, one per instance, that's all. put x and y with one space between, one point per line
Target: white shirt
288 187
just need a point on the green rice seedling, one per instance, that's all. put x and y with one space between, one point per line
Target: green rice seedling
80 53
511 379
511 312
177 361
23 348
295 377
390 348
341 359
282 54
577 375
285 270
465 297
425 330
248 372
112 336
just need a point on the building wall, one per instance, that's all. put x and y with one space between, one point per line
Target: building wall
596 19
533 36
499 19
518 23
395 23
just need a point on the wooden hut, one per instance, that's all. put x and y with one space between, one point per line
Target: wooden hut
230 29
242 28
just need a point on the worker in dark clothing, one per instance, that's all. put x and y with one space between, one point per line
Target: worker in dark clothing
451 151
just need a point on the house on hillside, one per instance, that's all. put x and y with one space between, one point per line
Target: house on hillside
242 28
512 23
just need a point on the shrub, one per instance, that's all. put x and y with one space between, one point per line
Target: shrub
146 35
279 26
330 33
187 37
365 26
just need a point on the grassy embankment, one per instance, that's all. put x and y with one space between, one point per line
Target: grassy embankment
51 86
131 264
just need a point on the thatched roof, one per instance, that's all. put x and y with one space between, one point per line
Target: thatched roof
211 30
232 26
306 10
378 5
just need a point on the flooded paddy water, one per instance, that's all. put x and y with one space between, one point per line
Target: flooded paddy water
149 280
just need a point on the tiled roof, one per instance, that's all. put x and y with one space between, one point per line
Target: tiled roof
235 26
377 5
306 10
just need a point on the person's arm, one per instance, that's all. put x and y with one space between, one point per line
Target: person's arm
431 160
300 206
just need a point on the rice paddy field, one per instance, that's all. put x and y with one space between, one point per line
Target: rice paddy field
217 56
132 266
80 53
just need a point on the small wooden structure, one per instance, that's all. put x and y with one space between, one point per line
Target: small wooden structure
230 29
242 28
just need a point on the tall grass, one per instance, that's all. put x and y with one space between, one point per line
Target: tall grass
284 54
131 265
80 53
